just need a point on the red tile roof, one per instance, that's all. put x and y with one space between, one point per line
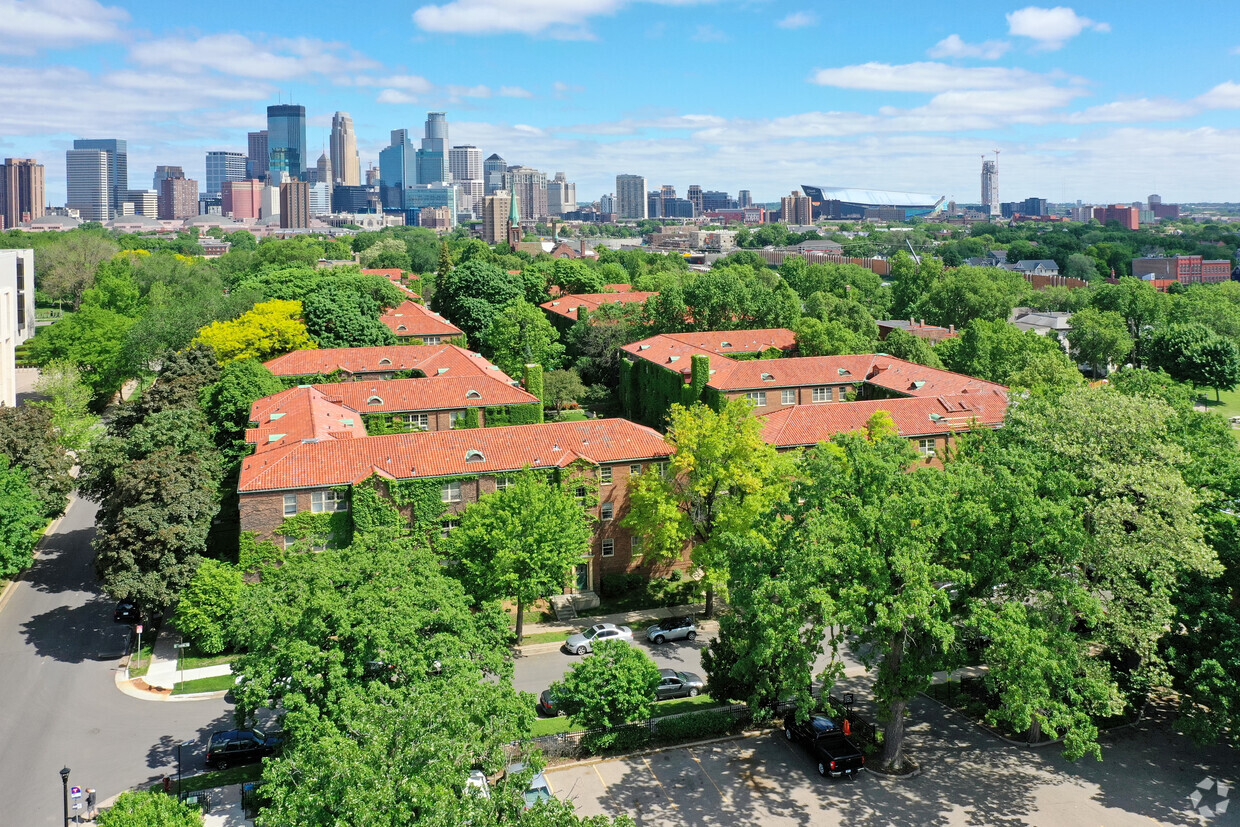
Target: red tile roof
805 425
432 360
321 463
394 273
566 305
288 417
673 350
416 320
874 369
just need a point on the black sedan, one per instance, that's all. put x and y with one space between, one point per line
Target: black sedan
127 612
240 746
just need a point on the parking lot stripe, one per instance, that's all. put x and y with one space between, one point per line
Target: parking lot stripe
600 776
650 769
704 772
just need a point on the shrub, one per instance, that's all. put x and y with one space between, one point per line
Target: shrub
710 723
622 740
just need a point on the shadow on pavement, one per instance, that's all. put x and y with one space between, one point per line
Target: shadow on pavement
75 634
65 564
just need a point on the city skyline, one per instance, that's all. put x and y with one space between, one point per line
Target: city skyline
1101 101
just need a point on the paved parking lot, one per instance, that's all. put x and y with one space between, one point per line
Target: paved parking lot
1145 779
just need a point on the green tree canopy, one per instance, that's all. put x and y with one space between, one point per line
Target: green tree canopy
904 345
268 329
148 809
228 401
614 685
21 515
1195 354
94 340
473 293
519 335
968 293
995 350
66 268
208 606
1099 338
338 316
31 441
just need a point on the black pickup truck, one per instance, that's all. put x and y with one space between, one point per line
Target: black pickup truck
826 741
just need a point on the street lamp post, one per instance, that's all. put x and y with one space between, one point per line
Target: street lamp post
64 782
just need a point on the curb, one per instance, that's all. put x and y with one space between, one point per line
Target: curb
131 688
537 648
990 731
52 528
887 776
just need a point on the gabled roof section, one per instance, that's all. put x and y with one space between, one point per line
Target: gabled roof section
806 425
566 305
430 359
411 319
443 453
672 350
298 414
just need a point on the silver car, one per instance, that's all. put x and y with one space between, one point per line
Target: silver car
583 642
672 628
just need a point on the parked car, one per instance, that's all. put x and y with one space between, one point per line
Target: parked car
538 789
547 705
826 742
672 628
127 612
583 642
240 746
673 684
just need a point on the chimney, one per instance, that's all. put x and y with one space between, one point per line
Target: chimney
951 328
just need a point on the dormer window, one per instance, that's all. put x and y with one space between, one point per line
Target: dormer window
374 400
474 456
766 377
385 361
401 327
472 394
844 372
725 344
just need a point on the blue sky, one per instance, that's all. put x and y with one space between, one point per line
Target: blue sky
1102 101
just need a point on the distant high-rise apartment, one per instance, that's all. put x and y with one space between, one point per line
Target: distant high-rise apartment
21 191
713 200
286 139
242 199
654 204
529 186
346 163
607 204
493 169
744 199
257 158
397 170
990 187
796 208
178 198
465 163
145 202
320 198
294 204
695 197
88 183
631 197
162 173
221 167
495 209
118 168
561 195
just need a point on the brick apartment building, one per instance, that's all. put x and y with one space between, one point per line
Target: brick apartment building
1184 269
359 363
932 333
412 320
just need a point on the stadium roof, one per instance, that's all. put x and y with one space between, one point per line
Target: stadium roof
872 198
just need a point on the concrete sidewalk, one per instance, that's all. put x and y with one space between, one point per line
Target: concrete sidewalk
163 672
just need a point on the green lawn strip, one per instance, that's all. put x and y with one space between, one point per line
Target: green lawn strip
545 637
215 778
197 661
212 684
571 416
139 663
1227 406
561 724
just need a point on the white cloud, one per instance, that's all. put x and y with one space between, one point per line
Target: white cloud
707 33
554 17
514 92
29 25
479 91
563 90
923 77
954 46
396 96
798 20
1224 96
238 55
1051 28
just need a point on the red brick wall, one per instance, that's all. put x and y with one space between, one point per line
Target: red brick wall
804 396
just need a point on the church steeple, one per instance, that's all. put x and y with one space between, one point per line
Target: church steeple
514 222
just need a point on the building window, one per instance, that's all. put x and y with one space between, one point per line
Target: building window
788 397
430 340
606 511
635 470
635 546
474 456
445 528
663 469
326 502
580 492
758 398
375 400
503 483
472 395
450 492
926 446
290 505
604 475
823 395
454 417
609 547
286 542
419 422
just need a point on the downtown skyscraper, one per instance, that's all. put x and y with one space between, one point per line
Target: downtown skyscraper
21 191
346 163
88 183
117 152
286 140
432 158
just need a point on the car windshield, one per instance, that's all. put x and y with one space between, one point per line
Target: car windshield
592 632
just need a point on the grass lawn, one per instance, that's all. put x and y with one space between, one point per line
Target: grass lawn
215 778
1228 405
571 416
195 660
140 662
561 724
214 684
545 637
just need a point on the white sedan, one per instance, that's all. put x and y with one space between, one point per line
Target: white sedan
583 642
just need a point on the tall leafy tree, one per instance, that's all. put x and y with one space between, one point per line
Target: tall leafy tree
721 479
1195 354
21 515
94 340
519 335
614 685
31 441
67 268
969 293
227 402
473 293
520 543
148 809
995 350
266 330
1142 307
338 316
1099 338
904 345
68 399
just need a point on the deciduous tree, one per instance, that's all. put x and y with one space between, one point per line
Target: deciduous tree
473 293
613 686
269 329
21 515
1099 338
519 335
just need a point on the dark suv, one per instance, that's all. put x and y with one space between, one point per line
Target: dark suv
239 746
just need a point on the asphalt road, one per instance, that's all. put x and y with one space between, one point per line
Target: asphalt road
59 705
